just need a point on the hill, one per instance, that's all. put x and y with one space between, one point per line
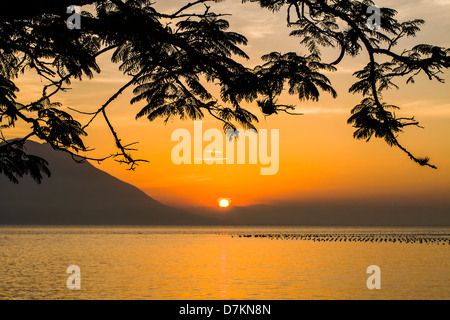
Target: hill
80 194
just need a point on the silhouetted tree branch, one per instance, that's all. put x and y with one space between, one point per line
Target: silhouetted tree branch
170 57
319 24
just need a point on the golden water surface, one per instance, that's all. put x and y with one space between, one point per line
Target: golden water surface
215 263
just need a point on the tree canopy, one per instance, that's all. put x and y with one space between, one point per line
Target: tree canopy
169 57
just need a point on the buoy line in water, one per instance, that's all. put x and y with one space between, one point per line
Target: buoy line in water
421 238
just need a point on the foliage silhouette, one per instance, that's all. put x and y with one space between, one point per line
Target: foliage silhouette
169 58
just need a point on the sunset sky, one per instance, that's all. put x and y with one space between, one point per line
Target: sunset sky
319 159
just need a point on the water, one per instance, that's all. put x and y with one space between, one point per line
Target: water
215 263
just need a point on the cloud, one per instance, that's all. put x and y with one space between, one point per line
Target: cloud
427 107
321 110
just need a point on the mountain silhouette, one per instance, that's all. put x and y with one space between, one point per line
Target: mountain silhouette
80 194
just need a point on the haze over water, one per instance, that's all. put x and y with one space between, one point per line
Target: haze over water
215 263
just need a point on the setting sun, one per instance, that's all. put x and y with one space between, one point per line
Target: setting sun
224 203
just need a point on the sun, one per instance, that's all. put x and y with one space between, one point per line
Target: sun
224 203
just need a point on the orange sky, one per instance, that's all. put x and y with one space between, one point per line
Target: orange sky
319 159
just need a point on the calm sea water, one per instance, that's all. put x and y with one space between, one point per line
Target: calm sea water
215 263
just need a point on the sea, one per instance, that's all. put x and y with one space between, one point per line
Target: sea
211 263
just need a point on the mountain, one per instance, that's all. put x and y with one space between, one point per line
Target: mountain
80 194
